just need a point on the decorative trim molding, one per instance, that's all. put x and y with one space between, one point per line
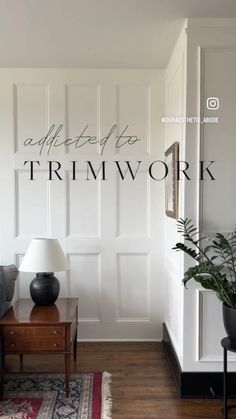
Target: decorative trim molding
69 234
118 340
200 353
16 220
99 281
119 317
15 119
148 110
15 86
97 87
147 233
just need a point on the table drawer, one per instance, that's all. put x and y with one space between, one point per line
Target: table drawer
33 332
18 345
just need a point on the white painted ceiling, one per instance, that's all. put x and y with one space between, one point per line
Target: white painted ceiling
97 33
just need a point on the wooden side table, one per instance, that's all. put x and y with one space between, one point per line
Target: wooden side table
29 329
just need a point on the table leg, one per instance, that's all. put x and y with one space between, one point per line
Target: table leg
2 367
1 384
67 373
225 384
2 358
75 347
21 362
2 376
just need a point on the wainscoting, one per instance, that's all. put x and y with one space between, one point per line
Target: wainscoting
111 229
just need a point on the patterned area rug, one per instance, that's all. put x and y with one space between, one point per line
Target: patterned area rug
42 396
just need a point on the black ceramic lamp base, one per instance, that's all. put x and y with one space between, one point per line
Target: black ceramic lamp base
44 289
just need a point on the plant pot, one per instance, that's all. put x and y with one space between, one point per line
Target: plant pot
229 319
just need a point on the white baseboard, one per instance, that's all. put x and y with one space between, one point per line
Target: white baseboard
120 340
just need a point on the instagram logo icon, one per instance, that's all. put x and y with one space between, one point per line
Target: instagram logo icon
213 103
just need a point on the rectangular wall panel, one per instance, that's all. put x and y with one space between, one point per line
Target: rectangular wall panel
83 206
133 205
85 283
23 280
133 287
218 135
32 204
83 110
30 114
133 109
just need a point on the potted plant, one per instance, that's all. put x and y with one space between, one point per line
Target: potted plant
215 269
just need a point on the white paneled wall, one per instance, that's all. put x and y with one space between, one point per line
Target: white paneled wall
211 73
217 198
130 221
110 229
194 315
175 107
30 105
133 287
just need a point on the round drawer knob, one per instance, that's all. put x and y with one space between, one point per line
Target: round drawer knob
12 332
55 345
54 332
12 345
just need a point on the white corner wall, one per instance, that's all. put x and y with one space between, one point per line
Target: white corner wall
211 63
194 315
175 87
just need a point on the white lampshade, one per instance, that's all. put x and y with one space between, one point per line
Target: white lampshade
44 255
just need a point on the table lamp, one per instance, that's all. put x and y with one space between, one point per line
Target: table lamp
44 256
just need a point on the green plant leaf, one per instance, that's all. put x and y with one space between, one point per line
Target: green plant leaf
216 268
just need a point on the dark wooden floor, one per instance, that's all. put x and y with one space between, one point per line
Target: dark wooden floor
142 387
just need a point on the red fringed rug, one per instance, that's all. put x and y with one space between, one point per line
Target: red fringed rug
42 396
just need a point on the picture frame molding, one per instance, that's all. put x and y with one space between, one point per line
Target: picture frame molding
174 151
